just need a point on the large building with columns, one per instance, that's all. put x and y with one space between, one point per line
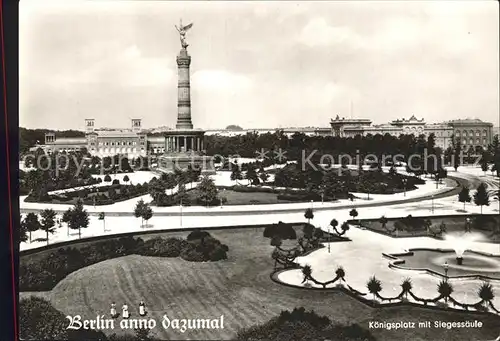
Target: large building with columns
103 142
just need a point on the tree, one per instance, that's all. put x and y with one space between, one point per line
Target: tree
306 272
236 173
102 216
374 286
66 217
353 213
383 220
340 273
464 196
481 197
207 190
107 178
457 151
484 162
309 215
308 231
34 180
406 286
48 221
485 292
251 175
23 233
147 214
264 177
334 223
79 218
156 188
126 179
31 223
139 210
445 289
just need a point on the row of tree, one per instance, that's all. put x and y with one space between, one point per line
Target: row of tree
445 290
481 197
76 218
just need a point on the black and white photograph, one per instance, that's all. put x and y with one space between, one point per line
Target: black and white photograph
258 170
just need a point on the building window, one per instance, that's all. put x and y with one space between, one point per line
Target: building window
478 133
458 132
471 141
464 142
484 141
477 141
484 132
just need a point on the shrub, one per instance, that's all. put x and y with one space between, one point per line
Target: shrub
281 230
107 178
301 326
39 320
116 182
44 272
197 234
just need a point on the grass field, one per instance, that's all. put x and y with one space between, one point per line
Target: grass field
243 198
239 288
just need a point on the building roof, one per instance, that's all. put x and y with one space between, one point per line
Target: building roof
469 121
115 133
70 140
412 119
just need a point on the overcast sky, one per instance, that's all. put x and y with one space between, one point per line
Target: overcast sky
256 64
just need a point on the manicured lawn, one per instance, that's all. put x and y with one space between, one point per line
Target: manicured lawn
243 198
239 288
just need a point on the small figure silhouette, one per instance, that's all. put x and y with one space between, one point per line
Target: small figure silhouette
125 313
142 309
113 310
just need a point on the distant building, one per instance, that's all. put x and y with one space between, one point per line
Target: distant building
102 142
473 132
136 141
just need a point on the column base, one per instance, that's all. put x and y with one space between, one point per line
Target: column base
169 163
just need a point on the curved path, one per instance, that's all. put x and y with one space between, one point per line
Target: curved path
232 210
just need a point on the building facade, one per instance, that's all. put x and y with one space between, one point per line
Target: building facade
102 142
473 133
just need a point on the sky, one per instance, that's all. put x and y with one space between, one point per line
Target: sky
257 64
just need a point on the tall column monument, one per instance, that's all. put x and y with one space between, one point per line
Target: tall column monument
184 146
183 91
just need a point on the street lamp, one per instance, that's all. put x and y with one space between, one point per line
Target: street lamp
432 204
467 225
180 206
404 184
312 204
445 266
329 238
